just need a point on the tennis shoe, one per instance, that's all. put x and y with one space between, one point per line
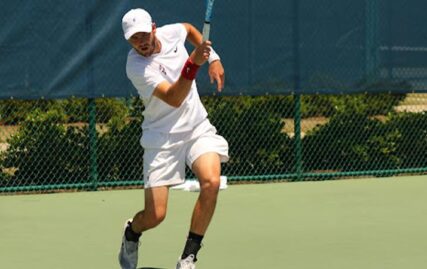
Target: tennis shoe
128 256
187 263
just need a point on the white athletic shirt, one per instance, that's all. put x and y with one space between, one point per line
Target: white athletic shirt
147 72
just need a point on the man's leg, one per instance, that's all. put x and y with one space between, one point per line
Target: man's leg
207 168
156 201
153 214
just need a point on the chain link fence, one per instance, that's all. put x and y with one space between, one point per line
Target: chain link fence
314 91
94 143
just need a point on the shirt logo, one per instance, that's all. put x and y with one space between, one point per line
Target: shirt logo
162 69
176 49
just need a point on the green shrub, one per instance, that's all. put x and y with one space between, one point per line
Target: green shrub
48 151
4 180
369 104
357 142
410 130
377 98
15 111
73 109
120 153
45 152
347 142
76 109
260 147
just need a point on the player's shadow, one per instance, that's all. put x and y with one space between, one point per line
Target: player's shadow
151 268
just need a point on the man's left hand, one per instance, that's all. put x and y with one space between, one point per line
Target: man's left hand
216 73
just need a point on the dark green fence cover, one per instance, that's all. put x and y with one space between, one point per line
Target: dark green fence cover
57 49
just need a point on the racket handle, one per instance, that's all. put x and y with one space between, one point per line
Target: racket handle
206 31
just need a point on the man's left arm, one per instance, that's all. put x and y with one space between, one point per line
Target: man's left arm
216 70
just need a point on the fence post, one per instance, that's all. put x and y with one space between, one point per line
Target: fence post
298 141
296 89
93 144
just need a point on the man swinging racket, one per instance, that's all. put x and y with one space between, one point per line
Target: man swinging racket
176 130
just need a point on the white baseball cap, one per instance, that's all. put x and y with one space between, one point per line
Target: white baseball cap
136 20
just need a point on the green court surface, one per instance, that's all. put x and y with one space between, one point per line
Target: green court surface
351 224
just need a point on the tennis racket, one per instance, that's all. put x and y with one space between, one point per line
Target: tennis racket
208 17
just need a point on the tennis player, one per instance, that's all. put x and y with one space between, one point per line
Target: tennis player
176 131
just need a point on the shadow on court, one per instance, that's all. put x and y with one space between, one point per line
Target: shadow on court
151 268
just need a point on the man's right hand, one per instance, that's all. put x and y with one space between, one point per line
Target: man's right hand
201 54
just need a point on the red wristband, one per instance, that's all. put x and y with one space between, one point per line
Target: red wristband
189 70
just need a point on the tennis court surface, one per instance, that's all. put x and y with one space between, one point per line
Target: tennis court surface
360 223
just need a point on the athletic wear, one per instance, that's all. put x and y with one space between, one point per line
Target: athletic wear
187 263
192 247
128 255
166 155
172 136
146 73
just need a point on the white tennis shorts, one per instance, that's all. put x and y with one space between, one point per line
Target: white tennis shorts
165 155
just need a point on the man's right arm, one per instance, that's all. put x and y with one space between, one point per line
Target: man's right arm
174 94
